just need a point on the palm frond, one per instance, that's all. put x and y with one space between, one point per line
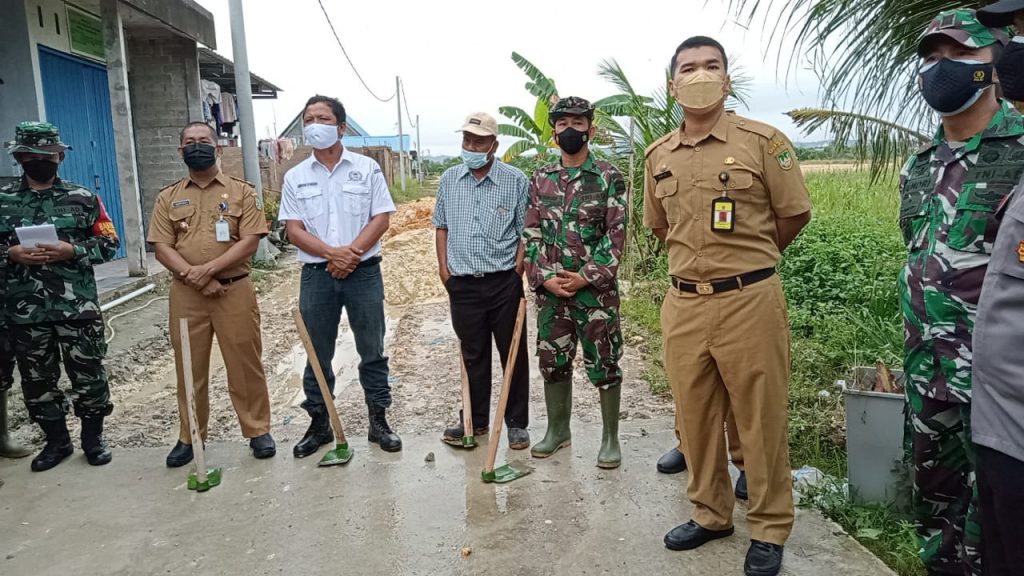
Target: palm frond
522 118
882 143
540 85
517 149
514 132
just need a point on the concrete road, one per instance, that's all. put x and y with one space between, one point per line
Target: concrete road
393 514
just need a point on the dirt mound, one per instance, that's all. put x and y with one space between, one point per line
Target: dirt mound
410 268
411 216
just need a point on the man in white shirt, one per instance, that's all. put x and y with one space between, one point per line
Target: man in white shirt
336 206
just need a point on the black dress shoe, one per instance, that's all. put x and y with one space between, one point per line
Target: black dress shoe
741 486
763 559
318 434
453 434
180 455
518 438
692 535
672 462
263 446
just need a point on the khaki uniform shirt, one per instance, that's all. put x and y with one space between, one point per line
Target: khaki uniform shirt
185 216
761 175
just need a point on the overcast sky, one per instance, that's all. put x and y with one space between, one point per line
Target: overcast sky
455 57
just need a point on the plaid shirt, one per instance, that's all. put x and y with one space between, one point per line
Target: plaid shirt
484 219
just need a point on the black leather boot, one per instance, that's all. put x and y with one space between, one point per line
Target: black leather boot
318 434
380 431
96 451
58 445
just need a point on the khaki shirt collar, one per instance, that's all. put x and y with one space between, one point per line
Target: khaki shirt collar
220 178
720 131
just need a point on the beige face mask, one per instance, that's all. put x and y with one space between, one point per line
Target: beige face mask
699 91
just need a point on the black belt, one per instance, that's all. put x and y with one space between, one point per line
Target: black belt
226 281
323 265
484 274
724 285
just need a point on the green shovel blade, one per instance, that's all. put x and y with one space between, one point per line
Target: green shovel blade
213 478
341 454
468 442
502 474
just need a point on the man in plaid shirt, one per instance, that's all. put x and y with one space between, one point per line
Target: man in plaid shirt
481 206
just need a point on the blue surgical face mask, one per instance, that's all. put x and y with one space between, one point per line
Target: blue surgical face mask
475 160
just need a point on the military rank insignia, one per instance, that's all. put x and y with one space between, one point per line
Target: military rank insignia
1020 252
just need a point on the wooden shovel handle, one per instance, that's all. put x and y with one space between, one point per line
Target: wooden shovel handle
506 383
467 405
198 449
314 362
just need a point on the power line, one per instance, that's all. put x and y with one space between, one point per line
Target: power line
343 51
411 123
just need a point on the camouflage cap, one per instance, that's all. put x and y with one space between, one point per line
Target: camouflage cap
963 26
1000 13
570 106
36 138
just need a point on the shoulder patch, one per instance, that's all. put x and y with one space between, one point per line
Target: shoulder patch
753 126
657 143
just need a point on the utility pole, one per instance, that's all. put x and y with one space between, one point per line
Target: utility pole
419 152
401 140
246 122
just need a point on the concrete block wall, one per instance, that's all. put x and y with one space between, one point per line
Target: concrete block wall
158 72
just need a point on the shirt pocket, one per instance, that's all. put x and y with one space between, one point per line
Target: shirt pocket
182 219
666 192
913 218
500 224
591 218
355 200
975 225
233 216
311 199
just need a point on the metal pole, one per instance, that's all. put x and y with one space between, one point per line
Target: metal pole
246 122
419 152
401 141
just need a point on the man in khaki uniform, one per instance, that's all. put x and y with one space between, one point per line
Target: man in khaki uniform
205 229
727 196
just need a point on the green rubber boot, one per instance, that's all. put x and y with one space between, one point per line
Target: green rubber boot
8 447
558 398
610 456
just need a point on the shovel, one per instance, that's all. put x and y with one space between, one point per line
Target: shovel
341 453
505 473
467 407
203 478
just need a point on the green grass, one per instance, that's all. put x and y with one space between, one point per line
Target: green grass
840 281
413 190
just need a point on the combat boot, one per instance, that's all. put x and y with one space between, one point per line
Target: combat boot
58 445
610 455
318 434
558 399
8 447
95 448
380 432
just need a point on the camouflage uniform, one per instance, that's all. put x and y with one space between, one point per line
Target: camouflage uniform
6 351
576 222
53 309
948 200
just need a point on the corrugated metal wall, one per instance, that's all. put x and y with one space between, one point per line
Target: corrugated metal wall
78 101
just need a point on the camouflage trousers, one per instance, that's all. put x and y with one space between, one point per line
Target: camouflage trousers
6 359
945 500
40 350
560 326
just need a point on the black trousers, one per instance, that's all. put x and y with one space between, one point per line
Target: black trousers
484 308
1002 510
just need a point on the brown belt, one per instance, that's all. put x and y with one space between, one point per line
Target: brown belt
226 281
724 285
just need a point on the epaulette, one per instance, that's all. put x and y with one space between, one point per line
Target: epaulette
69 186
243 181
658 142
760 128
169 186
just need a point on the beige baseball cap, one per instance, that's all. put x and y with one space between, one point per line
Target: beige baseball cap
481 124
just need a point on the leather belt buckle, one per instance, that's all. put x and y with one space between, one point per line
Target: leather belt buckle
478 274
705 288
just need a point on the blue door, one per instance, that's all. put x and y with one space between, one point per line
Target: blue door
78 102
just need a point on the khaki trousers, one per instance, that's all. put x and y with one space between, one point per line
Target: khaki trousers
235 319
733 444
731 350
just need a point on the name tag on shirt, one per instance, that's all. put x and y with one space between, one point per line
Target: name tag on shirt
223 231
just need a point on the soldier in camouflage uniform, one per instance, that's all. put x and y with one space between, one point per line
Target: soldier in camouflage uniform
949 193
50 295
574 232
8 447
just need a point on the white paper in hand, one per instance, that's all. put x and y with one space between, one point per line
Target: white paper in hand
32 236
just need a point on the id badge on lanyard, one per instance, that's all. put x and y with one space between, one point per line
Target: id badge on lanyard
723 208
221 228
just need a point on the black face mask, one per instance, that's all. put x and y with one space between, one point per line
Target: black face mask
199 156
572 140
950 87
1010 68
40 170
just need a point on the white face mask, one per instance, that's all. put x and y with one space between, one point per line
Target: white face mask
320 136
